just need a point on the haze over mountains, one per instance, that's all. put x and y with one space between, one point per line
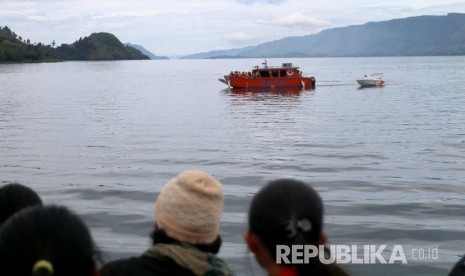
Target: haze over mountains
412 36
145 51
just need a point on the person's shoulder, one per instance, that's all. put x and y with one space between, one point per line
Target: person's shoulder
142 266
114 267
459 268
220 268
129 266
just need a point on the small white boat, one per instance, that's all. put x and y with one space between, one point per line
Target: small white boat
373 80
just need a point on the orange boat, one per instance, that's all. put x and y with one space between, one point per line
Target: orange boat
269 77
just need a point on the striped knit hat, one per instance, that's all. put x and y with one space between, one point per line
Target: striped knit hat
189 208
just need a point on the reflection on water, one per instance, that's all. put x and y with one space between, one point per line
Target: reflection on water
104 137
260 94
288 91
371 87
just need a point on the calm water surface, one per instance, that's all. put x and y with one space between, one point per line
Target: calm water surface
104 137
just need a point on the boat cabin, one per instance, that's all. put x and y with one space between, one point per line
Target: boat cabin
286 70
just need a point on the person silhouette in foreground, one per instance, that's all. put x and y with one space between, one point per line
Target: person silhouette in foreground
14 197
459 268
287 212
46 240
186 233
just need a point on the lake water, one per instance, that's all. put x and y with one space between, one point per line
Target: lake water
389 163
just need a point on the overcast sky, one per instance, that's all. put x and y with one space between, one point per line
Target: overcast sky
180 27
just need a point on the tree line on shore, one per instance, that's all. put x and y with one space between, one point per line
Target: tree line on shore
97 46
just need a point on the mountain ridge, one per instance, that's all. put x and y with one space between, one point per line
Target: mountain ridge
411 36
145 51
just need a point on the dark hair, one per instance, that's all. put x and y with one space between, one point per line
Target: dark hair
290 212
459 268
52 235
14 197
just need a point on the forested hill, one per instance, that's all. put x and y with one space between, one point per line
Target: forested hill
413 36
97 46
13 48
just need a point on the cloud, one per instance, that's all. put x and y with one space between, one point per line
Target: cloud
238 37
296 19
38 18
252 2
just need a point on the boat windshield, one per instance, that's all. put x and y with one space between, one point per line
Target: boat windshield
275 73
264 73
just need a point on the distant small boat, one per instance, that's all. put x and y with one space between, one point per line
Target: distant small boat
372 81
284 76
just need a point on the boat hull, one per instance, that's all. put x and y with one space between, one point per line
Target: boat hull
269 90
370 83
278 82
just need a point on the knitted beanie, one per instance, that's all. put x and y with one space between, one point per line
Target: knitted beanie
189 208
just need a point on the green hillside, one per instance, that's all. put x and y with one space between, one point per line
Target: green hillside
14 49
97 46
